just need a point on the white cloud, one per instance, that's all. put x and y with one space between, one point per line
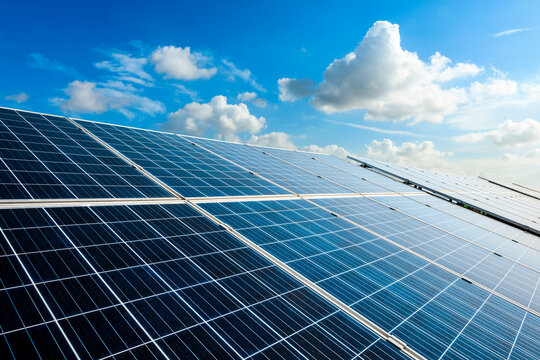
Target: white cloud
84 97
421 154
511 31
459 71
328 149
508 134
509 157
274 139
88 97
492 88
247 96
294 89
495 101
127 67
260 103
228 120
533 154
252 97
390 83
18 98
233 72
180 63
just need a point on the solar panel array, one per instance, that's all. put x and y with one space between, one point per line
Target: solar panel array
510 205
119 243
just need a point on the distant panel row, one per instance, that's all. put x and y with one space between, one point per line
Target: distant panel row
518 208
48 157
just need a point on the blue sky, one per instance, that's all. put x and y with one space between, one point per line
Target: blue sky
453 85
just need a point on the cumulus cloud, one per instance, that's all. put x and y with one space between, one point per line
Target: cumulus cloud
421 154
247 96
335 150
181 64
85 97
253 98
18 98
232 72
480 91
508 134
459 71
127 67
274 139
387 81
228 120
293 89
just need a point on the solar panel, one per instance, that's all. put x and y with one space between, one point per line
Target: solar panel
273 253
516 188
485 222
156 281
354 183
340 171
488 268
478 193
404 294
45 157
188 169
286 175
464 229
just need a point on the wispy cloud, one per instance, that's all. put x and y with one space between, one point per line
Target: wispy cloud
39 61
232 72
379 130
510 31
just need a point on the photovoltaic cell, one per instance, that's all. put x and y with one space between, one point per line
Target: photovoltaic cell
420 303
188 169
482 221
286 175
515 281
478 235
352 182
47 157
520 209
165 281
151 280
371 176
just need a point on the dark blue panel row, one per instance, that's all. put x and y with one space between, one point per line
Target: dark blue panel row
188 169
45 157
467 230
484 222
150 281
422 304
497 273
